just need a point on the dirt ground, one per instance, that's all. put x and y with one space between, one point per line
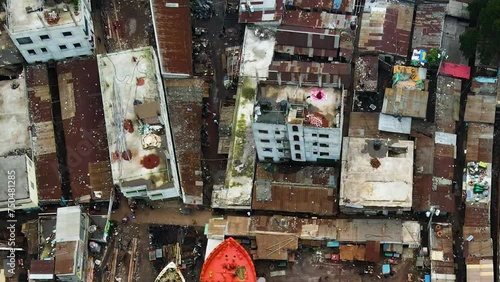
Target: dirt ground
308 269
123 24
163 213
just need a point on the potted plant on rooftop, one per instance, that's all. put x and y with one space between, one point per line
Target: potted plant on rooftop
76 5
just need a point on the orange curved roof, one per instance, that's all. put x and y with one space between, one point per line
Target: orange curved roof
228 262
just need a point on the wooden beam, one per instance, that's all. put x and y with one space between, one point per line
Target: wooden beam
131 266
113 264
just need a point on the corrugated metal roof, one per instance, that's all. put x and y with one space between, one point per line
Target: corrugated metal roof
297 199
295 36
479 142
424 154
172 20
428 28
84 129
394 124
454 70
480 271
306 189
272 246
310 67
311 52
409 103
444 161
297 174
312 4
477 215
480 108
41 267
447 103
40 107
353 252
66 255
317 19
290 70
373 251
484 86
386 29
424 196
365 125
344 230
184 101
476 249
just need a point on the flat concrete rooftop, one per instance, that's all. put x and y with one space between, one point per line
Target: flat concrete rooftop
14 116
129 79
25 15
321 102
376 173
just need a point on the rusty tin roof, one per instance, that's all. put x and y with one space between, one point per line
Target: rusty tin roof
305 189
424 196
479 142
172 20
184 100
387 29
429 24
317 20
48 176
84 129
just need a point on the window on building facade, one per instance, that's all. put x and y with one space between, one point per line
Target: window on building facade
297 147
265 141
295 138
278 141
267 149
263 131
63 47
323 145
314 135
77 45
323 154
277 132
44 50
323 136
295 128
298 156
24 40
32 52
44 37
67 33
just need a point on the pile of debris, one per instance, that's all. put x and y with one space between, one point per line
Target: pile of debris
202 9
202 61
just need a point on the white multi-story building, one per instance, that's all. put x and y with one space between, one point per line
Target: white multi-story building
46 30
143 161
299 124
19 189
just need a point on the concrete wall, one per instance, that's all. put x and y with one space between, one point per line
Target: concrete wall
279 142
33 186
278 147
56 39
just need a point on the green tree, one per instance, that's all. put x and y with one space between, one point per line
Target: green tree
484 35
433 57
